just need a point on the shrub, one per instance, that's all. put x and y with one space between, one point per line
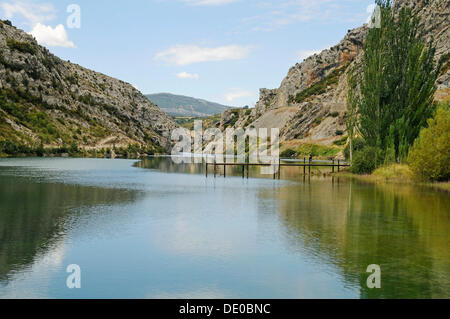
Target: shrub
319 87
289 153
429 158
364 161
339 133
334 114
358 144
317 150
341 142
23 47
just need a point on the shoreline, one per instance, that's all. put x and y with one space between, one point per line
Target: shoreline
401 180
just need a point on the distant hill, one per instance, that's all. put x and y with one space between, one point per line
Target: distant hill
179 105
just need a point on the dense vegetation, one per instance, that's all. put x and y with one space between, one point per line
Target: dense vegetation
306 150
23 47
391 102
32 112
429 158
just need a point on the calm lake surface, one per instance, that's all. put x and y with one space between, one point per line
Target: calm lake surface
154 229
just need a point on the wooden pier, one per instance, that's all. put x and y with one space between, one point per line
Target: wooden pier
305 164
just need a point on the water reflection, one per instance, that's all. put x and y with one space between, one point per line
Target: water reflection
403 229
36 215
181 235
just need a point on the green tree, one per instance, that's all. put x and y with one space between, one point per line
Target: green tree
429 158
351 120
398 82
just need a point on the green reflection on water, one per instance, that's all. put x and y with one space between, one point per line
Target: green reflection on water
34 215
403 229
341 224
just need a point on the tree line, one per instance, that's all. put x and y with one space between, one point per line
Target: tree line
391 97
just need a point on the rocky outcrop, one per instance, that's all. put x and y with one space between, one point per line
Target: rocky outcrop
316 88
45 100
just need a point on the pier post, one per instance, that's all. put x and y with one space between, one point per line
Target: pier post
224 170
206 168
279 168
339 165
333 165
304 166
215 167
248 167
309 167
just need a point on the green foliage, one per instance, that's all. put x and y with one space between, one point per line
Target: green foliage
429 158
234 119
398 84
341 142
351 117
317 150
289 153
13 148
317 121
23 47
48 63
339 132
365 160
334 114
445 62
72 79
358 144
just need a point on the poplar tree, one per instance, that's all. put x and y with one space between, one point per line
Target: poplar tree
398 83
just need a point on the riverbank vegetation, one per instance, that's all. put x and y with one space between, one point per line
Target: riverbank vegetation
14 149
314 150
391 104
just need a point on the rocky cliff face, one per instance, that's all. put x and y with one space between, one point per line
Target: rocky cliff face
45 100
310 103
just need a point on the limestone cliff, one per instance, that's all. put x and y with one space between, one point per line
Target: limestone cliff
310 103
47 101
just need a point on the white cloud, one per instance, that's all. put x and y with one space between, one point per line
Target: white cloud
208 2
185 75
236 94
55 37
33 12
188 54
304 54
36 15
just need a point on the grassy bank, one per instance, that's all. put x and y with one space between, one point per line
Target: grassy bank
397 173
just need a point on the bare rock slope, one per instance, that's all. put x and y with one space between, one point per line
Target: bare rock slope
310 103
47 101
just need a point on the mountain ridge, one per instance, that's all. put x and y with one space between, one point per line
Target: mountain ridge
182 105
310 104
51 103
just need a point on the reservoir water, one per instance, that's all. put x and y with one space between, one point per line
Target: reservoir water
154 229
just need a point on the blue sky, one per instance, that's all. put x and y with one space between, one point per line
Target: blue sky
219 50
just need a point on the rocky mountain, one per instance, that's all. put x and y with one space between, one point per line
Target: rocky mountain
179 105
48 102
310 104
